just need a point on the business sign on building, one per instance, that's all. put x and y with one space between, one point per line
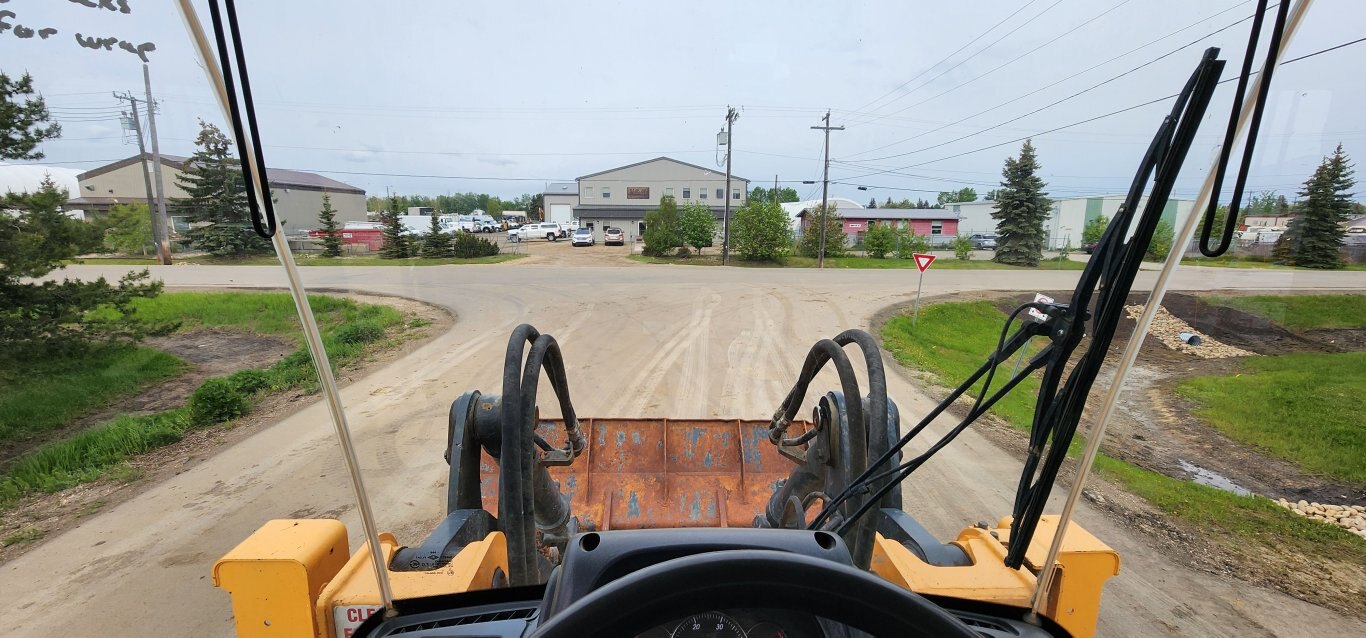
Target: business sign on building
637 192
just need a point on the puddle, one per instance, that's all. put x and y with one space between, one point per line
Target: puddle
1213 479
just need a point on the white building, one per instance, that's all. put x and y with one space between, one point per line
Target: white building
1068 217
621 196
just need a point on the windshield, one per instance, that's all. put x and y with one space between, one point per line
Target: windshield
754 179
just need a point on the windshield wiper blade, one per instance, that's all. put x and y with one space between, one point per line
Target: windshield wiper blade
1111 272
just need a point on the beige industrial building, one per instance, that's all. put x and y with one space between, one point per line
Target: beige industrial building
620 197
297 196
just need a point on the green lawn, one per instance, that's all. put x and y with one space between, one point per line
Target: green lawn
350 330
39 396
1302 312
952 339
302 260
1228 518
1305 407
943 263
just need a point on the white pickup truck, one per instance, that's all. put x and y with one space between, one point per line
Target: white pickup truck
551 231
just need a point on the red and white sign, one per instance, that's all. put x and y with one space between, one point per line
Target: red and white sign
923 261
1040 298
348 618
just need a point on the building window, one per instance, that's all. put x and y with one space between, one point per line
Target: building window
669 192
606 194
936 228
687 193
735 193
702 193
588 193
720 193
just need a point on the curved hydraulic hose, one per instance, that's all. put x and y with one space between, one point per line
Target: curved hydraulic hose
860 536
515 507
518 492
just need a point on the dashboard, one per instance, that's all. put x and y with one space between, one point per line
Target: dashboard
742 623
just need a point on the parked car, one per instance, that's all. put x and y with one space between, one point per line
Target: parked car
583 237
983 241
1090 247
551 231
613 236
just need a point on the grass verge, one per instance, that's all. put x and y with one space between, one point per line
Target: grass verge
867 263
349 329
1301 312
38 396
952 339
302 260
1304 407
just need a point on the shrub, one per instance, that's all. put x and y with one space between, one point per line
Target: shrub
834 234
761 232
962 247
359 332
661 228
469 245
249 381
683 252
1161 244
909 243
879 241
217 400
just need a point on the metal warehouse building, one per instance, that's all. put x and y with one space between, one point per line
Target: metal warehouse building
1068 217
620 197
298 196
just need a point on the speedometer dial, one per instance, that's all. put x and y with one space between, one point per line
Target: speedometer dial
708 625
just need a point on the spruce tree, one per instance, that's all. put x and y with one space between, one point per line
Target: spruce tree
217 197
23 119
1022 206
397 245
332 240
437 244
1317 233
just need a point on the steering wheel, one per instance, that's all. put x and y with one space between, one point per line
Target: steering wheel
754 578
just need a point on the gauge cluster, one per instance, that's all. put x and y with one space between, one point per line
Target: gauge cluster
740 623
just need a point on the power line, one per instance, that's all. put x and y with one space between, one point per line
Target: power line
1016 99
1012 60
1087 120
961 62
1065 99
943 60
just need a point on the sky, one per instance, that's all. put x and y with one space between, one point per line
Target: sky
427 97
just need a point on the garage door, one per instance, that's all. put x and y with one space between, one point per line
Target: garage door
561 213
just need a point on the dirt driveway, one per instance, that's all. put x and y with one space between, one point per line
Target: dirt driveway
560 253
648 342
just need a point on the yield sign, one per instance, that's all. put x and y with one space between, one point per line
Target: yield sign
923 261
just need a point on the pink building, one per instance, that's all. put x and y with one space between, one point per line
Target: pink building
939 224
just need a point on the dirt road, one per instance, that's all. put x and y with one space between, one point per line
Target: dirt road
675 341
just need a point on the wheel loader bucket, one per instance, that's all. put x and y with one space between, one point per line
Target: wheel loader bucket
647 473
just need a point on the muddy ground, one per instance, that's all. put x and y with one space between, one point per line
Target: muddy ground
1155 428
210 352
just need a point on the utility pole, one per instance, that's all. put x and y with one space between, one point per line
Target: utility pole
731 116
159 227
825 184
157 230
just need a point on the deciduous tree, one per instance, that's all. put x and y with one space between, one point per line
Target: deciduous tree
761 231
697 226
834 233
661 228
